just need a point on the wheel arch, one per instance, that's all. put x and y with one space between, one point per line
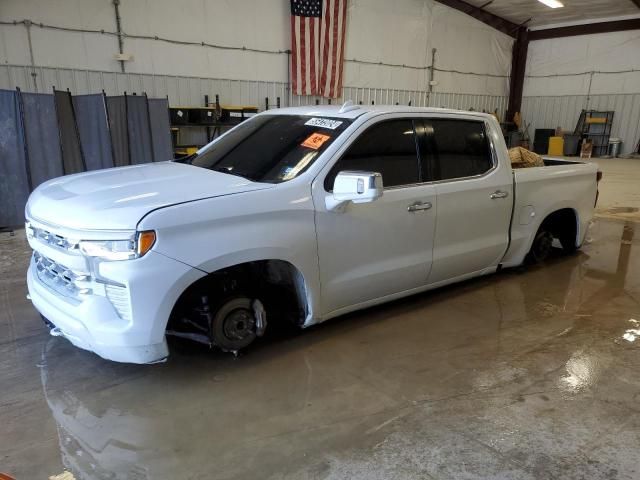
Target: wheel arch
560 221
525 233
262 276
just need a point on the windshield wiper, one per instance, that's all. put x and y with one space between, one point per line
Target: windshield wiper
228 170
187 158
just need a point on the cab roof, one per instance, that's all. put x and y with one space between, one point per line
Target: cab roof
355 111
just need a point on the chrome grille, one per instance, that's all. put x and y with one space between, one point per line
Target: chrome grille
58 277
52 239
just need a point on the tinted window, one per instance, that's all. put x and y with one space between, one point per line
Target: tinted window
271 148
388 148
455 148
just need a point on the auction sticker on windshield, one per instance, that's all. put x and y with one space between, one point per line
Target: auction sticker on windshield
323 123
315 140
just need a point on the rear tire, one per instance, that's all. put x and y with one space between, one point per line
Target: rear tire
541 247
234 324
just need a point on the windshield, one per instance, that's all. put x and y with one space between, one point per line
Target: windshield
270 148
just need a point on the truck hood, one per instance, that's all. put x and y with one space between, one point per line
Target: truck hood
117 198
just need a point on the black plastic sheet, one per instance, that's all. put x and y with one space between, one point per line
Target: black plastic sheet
160 129
42 137
14 183
140 148
91 118
117 113
72 161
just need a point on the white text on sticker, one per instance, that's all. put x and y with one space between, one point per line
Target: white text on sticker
323 123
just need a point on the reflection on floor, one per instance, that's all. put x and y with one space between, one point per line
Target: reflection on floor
526 374
619 192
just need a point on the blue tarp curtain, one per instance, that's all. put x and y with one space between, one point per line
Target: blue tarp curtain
160 129
91 118
43 136
14 178
117 115
72 158
139 128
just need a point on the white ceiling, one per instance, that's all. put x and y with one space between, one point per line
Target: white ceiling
573 11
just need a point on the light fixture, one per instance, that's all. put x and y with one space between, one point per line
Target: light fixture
552 3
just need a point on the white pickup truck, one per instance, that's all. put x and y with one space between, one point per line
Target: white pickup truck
301 214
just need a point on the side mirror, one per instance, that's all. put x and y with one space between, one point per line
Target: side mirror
356 187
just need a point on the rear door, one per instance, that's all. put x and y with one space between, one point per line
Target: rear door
474 196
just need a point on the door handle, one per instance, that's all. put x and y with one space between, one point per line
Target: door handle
416 207
499 194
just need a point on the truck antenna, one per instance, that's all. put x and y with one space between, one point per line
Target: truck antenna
348 106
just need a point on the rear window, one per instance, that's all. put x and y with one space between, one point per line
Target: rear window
456 148
271 148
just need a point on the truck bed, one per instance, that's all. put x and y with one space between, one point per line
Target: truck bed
560 184
554 161
551 162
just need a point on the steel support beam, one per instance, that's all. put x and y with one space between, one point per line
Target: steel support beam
586 29
116 6
523 36
518 69
499 23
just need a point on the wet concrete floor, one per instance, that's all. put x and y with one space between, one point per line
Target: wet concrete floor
526 374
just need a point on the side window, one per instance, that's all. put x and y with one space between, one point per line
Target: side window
388 148
455 148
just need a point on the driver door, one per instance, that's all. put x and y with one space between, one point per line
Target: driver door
372 250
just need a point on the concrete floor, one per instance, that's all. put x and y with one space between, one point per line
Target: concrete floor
530 374
620 188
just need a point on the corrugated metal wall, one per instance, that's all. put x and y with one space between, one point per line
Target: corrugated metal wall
191 90
541 112
552 112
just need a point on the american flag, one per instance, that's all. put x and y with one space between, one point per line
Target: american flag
317 46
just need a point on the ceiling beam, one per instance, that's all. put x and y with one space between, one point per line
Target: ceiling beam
586 29
499 23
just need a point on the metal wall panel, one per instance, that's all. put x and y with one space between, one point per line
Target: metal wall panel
191 90
552 112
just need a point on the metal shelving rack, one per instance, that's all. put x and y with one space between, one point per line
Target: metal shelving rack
210 120
596 126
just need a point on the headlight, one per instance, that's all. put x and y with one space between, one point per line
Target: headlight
114 250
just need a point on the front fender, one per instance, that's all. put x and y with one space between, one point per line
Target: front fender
215 233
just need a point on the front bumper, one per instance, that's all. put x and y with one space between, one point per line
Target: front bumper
133 333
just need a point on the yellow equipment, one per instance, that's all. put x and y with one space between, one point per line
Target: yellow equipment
556 146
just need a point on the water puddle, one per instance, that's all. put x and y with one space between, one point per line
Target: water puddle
633 333
616 210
